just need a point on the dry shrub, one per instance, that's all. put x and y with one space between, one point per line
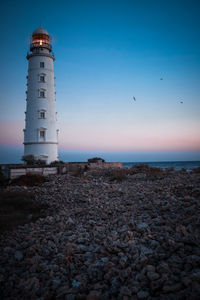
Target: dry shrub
30 160
17 208
3 179
96 160
196 170
140 168
56 163
29 180
83 180
155 173
151 172
169 170
77 172
118 174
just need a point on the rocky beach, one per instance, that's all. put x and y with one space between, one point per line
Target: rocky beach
107 234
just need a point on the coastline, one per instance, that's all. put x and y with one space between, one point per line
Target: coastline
107 235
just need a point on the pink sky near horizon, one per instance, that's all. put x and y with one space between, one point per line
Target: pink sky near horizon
84 136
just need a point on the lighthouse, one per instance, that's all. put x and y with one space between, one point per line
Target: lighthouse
40 133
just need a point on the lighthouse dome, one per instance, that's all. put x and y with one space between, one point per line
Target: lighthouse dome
40 30
40 39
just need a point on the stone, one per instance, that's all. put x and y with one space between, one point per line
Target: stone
69 222
123 261
150 268
142 295
8 250
93 297
105 260
142 226
70 297
156 285
186 281
152 276
195 275
168 288
154 244
125 291
31 283
145 250
63 290
56 283
19 255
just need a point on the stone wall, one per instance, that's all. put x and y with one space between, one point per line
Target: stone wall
14 173
73 167
105 165
11 171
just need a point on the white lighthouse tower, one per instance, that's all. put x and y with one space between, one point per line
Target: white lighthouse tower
40 133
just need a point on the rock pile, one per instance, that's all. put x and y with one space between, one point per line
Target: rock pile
102 239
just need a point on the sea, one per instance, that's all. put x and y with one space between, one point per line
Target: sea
9 155
177 165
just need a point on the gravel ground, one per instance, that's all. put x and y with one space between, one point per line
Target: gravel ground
102 239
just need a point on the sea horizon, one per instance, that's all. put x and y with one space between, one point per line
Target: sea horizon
177 165
178 160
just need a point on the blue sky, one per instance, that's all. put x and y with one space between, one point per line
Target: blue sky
106 53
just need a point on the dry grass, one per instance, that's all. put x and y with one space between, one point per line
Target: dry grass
76 171
151 172
3 179
17 208
169 170
155 173
118 174
196 170
141 168
83 180
29 180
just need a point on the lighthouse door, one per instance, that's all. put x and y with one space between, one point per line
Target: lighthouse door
42 134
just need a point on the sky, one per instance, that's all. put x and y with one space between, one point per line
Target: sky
108 52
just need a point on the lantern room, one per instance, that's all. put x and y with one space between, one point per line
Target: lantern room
40 39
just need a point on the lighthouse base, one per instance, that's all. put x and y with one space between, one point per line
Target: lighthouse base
43 151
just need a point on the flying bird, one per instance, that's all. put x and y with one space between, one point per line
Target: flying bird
134 98
181 102
161 78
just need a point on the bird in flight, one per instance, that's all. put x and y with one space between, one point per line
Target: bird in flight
134 98
161 78
181 102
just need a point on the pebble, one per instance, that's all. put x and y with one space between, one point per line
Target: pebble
142 295
152 275
18 255
171 288
100 239
150 268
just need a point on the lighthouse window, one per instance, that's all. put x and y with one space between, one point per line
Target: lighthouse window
42 115
42 94
41 64
42 134
42 78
